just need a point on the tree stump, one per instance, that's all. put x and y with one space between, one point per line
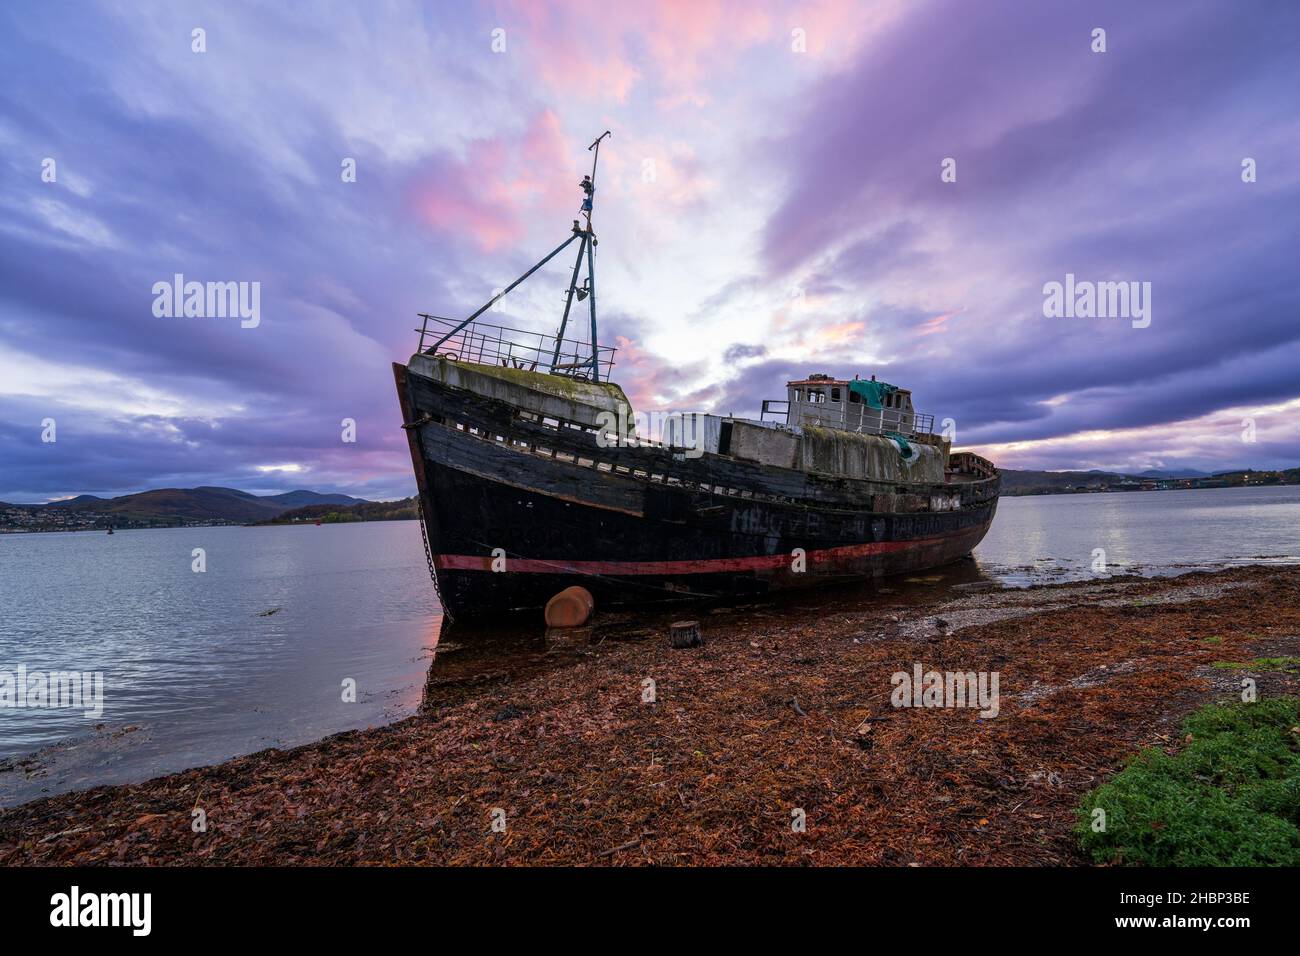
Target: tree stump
685 634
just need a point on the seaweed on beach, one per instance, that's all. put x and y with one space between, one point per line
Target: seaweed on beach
774 743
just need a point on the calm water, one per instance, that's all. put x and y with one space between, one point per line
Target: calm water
1052 537
193 661
197 671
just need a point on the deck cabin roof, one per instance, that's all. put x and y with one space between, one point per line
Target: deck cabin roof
815 382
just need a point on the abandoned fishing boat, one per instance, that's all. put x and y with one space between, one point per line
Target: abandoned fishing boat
532 476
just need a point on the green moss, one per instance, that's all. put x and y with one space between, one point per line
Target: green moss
841 437
1213 639
1260 664
1230 797
561 386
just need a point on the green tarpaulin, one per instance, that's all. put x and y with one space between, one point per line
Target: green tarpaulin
872 392
904 447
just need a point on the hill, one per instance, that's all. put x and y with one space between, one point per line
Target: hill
404 509
300 499
1048 482
79 500
167 507
204 502
1174 473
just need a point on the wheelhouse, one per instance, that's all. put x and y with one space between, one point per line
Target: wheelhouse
865 406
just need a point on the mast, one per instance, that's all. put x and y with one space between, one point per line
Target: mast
586 248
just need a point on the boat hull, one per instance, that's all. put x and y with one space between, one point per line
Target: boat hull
515 512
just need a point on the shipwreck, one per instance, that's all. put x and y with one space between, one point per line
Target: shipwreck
531 480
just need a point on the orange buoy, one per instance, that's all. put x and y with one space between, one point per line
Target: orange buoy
572 607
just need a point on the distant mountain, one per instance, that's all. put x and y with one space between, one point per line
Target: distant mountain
79 500
1173 473
205 503
299 499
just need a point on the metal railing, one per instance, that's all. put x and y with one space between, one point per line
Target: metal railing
486 344
850 416
966 462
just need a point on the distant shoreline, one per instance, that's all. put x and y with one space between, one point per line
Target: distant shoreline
182 527
1052 493
1096 481
198 508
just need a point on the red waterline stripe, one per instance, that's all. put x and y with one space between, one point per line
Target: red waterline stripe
474 562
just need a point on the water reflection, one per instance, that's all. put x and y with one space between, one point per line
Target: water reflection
471 657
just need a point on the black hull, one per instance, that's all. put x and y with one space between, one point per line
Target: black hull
511 522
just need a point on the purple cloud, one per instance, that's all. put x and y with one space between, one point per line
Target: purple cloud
225 166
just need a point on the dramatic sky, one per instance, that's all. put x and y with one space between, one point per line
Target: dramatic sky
770 205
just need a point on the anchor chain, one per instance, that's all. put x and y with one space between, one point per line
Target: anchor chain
428 557
424 533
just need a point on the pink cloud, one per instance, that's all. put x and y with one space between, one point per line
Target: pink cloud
832 336
445 206
501 181
593 48
573 53
937 324
653 382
